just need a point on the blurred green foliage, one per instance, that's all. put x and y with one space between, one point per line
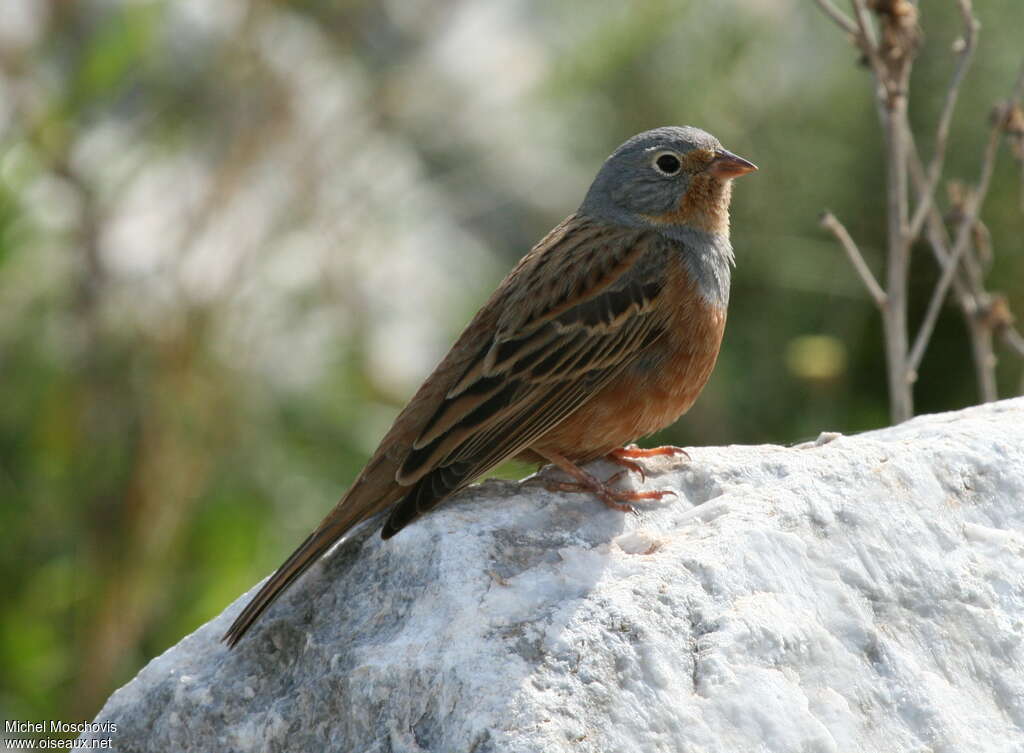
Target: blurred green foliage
234 235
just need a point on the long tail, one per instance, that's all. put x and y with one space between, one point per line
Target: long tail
323 538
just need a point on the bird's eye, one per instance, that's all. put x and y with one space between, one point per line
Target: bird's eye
667 163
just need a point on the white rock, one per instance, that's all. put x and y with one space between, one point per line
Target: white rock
861 594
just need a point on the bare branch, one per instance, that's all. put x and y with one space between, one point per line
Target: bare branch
977 198
960 245
998 320
889 42
842 20
985 362
967 222
860 13
969 43
866 41
830 223
1013 339
924 333
938 236
890 51
967 284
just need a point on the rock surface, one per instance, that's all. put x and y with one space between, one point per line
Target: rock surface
860 593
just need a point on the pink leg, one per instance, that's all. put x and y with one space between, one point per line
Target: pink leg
614 498
623 456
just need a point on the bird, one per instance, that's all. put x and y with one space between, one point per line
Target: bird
605 332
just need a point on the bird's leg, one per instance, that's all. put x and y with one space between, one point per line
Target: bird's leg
585 482
623 456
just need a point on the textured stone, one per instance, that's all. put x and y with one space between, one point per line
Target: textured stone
860 593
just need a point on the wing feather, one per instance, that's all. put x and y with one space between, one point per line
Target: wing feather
523 382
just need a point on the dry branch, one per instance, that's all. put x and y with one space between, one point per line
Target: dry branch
966 47
887 33
833 225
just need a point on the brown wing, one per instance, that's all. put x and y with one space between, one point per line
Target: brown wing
544 362
573 313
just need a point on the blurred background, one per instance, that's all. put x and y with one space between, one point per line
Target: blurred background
235 235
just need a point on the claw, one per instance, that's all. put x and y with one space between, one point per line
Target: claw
613 498
622 456
615 478
584 482
629 465
632 451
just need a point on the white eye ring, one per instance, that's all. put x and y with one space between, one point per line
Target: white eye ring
670 166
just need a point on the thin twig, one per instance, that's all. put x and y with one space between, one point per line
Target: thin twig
924 332
985 362
891 76
970 39
867 42
830 223
893 109
938 236
963 236
889 48
842 20
969 290
1013 339
977 198
960 245
897 260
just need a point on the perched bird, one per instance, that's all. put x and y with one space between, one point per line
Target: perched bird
606 331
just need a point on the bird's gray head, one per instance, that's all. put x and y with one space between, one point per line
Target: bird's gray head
676 176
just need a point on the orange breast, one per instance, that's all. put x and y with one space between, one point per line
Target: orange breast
656 390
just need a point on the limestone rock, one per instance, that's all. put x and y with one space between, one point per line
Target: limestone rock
861 593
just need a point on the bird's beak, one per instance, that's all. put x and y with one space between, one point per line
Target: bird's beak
727 165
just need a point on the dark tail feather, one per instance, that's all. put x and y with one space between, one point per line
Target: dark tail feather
427 493
322 539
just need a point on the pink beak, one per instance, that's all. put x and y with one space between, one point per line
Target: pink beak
727 165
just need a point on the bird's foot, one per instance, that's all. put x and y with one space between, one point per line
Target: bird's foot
617 499
624 456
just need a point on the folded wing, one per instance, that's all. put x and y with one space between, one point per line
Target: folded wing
531 375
